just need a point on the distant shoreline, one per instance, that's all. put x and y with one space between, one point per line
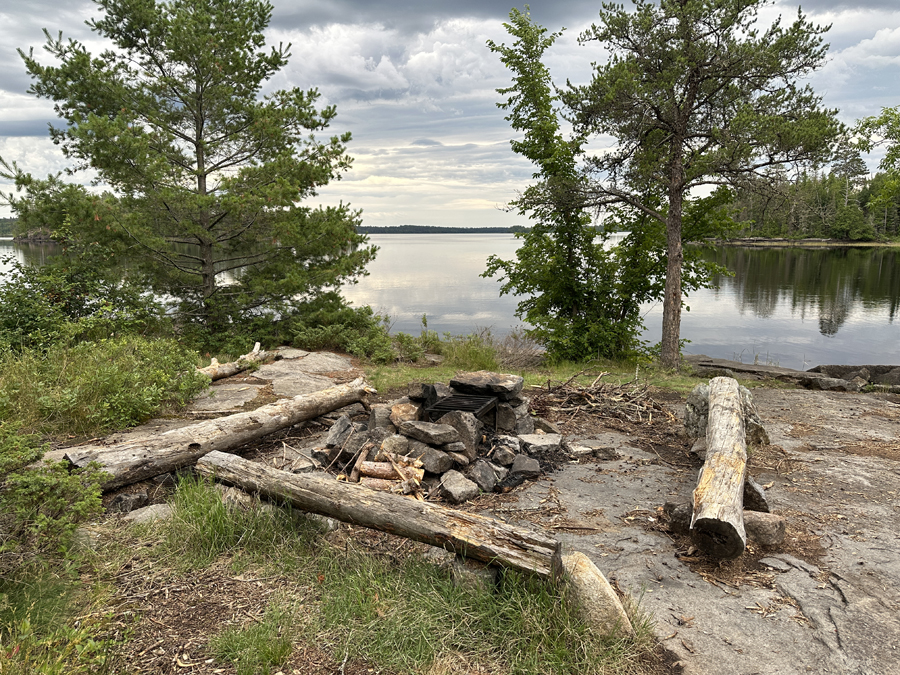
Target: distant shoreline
780 242
435 229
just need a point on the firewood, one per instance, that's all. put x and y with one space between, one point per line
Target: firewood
147 455
717 526
468 534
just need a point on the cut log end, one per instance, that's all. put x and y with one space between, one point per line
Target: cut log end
718 538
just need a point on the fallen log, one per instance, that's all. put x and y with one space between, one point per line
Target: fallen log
218 371
153 454
717 525
468 534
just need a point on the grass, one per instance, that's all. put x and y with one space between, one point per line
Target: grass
360 596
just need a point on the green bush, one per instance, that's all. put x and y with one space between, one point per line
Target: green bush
328 323
41 505
96 386
475 351
41 307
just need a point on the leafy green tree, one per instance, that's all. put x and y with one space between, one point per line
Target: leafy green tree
583 296
208 174
884 130
561 265
695 94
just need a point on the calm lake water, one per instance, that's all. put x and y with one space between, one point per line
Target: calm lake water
791 307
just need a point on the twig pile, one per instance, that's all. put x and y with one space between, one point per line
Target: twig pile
630 402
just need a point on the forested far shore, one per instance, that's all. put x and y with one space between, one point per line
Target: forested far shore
435 229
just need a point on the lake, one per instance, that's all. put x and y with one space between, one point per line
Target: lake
787 306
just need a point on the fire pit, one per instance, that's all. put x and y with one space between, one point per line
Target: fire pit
477 405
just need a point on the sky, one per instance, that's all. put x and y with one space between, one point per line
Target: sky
415 83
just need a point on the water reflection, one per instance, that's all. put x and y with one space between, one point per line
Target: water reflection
788 306
826 283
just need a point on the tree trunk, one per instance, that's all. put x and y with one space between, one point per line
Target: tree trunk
471 535
670 347
153 454
717 525
217 371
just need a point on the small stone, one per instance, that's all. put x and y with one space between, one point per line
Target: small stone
380 418
597 602
506 418
485 383
540 424
540 444
429 432
457 447
416 391
404 412
397 444
505 449
766 529
679 516
128 502
456 488
339 432
525 466
433 460
460 461
468 427
472 574
524 422
482 474
150 513
698 449
696 411
755 497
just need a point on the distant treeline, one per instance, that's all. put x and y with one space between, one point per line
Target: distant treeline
7 227
431 229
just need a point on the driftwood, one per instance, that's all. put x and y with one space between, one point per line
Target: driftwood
717 525
471 535
217 371
150 455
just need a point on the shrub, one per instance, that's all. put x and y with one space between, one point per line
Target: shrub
329 323
41 505
475 351
96 386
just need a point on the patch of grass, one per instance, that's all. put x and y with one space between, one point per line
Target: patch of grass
258 647
475 351
203 528
38 630
98 386
393 610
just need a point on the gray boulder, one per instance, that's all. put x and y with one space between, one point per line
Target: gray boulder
755 497
485 383
505 449
766 529
482 474
397 444
433 460
538 445
456 488
429 432
339 432
380 418
469 428
525 467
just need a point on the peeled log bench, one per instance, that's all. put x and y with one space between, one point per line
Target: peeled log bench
717 525
468 534
153 454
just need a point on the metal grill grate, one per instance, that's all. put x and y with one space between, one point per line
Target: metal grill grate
477 405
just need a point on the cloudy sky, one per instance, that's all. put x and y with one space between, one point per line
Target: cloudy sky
415 84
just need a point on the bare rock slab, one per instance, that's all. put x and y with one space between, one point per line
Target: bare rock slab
456 488
225 397
486 383
323 362
429 432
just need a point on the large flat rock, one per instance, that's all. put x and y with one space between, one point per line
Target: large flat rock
225 398
837 481
289 380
